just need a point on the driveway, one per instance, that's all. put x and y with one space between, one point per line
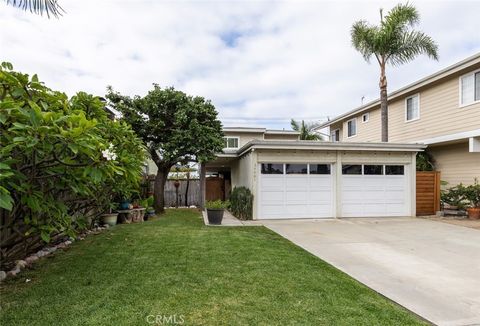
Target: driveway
429 267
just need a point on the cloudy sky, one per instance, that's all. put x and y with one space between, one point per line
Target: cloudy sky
261 63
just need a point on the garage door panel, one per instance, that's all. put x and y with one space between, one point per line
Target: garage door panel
273 196
272 183
322 197
296 197
296 183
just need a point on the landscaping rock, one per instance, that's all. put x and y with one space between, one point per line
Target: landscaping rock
31 259
61 245
43 253
14 271
106 226
3 276
68 242
51 249
21 264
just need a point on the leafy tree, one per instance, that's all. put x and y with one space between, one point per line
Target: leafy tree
50 7
175 128
425 162
61 160
393 42
307 130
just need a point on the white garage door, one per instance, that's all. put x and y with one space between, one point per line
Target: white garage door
374 190
295 191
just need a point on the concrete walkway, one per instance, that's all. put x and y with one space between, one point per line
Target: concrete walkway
431 268
230 220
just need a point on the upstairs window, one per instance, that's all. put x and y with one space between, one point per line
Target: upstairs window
365 117
335 135
352 128
470 88
230 142
412 108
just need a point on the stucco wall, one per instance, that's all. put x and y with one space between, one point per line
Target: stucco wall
281 137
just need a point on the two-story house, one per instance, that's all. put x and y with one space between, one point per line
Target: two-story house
441 111
292 178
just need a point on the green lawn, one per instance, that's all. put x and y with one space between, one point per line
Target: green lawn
176 266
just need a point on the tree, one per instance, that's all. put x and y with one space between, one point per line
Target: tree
307 130
175 128
50 7
393 42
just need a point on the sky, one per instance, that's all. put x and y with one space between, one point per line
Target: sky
260 63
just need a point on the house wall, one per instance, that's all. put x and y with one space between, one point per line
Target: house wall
456 164
281 136
440 114
244 136
242 171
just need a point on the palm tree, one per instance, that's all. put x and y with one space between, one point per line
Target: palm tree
307 130
50 7
393 42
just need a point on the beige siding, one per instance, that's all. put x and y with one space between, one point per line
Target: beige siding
366 131
456 164
281 137
440 114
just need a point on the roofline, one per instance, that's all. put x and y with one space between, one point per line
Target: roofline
450 70
261 130
325 145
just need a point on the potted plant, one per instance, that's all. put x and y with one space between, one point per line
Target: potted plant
472 194
215 211
110 218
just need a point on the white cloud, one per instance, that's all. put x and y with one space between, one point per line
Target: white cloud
260 63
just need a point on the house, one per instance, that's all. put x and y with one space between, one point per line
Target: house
441 111
292 178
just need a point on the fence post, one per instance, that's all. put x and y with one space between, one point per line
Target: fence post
203 172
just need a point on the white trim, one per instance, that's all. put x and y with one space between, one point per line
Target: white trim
406 107
233 137
460 105
356 130
451 137
366 114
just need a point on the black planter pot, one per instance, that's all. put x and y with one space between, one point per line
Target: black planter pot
215 216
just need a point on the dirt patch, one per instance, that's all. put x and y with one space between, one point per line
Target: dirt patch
456 220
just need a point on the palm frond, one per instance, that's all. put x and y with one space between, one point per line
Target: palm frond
295 125
401 15
364 38
50 7
413 44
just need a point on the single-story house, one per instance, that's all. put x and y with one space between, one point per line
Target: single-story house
292 178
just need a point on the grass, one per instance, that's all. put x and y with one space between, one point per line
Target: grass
177 267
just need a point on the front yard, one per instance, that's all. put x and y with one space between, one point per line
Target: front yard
177 269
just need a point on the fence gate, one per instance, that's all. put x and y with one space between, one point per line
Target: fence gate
428 192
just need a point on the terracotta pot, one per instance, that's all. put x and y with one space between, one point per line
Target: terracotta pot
473 213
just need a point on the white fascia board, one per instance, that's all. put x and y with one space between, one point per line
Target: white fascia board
474 145
451 137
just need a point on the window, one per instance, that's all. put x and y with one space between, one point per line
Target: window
373 169
351 169
230 142
335 135
296 169
319 168
352 127
365 117
412 108
270 168
394 169
470 88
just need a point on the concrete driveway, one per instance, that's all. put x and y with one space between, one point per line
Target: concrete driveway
431 268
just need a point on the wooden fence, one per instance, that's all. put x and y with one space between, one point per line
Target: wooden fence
170 192
428 192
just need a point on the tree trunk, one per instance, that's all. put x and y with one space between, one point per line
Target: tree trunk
383 102
159 189
186 189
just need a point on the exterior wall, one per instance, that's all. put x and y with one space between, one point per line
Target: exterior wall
456 164
281 136
337 158
245 137
242 171
440 114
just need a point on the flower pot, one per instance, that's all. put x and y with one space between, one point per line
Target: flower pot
110 219
473 213
215 216
125 204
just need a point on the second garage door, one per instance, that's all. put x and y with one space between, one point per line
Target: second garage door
295 191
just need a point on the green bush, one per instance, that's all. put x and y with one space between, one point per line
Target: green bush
472 194
61 160
217 204
241 203
462 196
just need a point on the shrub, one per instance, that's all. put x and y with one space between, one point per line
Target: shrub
61 159
472 194
216 204
241 203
